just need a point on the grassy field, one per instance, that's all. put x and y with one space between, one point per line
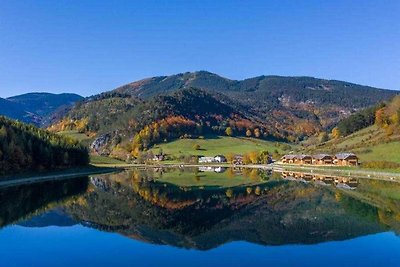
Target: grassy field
388 152
81 137
218 145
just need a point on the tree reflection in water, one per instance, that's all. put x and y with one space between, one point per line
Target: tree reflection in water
178 208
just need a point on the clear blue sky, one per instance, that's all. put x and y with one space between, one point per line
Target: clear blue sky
87 47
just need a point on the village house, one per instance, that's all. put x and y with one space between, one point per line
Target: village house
206 159
346 159
297 159
342 159
220 158
289 158
304 159
159 157
238 160
322 159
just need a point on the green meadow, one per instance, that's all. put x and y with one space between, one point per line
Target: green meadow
215 145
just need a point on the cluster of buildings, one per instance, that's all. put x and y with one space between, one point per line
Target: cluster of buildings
237 159
341 159
216 159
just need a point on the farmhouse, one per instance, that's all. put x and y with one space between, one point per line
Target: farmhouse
159 157
206 159
219 158
346 159
322 159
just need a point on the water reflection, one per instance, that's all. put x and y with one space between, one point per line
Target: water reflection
22 202
343 182
204 209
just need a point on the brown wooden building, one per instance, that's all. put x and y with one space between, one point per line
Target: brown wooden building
289 158
322 159
346 159
297 159
304 159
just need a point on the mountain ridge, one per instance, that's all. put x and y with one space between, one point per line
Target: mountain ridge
36 108
286 96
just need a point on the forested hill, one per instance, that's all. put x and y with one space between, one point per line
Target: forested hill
185 113
386 115
24 147
275 99
36 108
160 109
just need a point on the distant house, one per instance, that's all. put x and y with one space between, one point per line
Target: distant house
206 159
220 158
346 159
238 160
322 159
159 157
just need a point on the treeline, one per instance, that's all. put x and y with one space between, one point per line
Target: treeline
174 127
25 147
384 115
388 116
358 121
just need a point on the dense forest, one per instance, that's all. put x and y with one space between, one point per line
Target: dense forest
385 115
24 147
358 120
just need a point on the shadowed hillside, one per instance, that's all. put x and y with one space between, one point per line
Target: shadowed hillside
36 108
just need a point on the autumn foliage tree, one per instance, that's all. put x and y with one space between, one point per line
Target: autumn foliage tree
336 133
229 131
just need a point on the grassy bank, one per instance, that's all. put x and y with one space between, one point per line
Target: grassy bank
214 145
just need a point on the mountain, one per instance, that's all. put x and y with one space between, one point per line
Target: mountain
272 97
25 148
200 103
16 111
36 108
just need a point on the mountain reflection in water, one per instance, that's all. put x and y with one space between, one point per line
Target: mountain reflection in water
206 208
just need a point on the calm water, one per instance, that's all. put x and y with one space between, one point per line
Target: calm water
206 217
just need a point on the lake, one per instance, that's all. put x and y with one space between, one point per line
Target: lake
201 217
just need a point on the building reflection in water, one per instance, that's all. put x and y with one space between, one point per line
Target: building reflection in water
341 182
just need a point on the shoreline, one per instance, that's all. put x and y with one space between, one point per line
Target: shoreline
20 179
277 167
